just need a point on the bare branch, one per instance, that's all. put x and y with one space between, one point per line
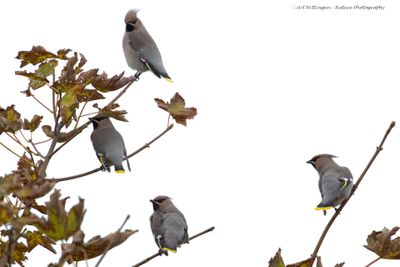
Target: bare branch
135 78
129 156
159 253
9 149
112 241
378 149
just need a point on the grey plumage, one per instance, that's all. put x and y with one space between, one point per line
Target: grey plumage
168 225
141 52
108 144
335 182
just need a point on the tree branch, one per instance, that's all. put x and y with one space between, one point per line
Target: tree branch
112 241
129 156
159 253
378 149
135 78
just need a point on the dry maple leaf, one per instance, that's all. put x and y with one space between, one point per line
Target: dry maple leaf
176 108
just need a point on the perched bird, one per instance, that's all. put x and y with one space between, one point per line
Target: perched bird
141 52
108 144
168 225
335 182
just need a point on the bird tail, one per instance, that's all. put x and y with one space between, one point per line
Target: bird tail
169 249
322 206
119 169
168 79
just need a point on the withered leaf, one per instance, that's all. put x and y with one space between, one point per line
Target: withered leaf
10 120
62 53
36 55
6 212
89 95
35 189
94 247
33 124
60 224
36 238
339 264
382 243
18 255
105 84
176 107
277 260
26 170
87 77
36 80
305 263
9 183
63 137
111 112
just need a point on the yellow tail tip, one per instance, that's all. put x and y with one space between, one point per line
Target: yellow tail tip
168 80
322 208
169 249
119 171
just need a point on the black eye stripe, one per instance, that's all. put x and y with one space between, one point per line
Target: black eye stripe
129 27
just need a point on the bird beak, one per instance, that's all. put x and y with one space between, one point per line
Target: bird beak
310 162
152 201
92 120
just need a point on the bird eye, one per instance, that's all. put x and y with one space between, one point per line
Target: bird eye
129 27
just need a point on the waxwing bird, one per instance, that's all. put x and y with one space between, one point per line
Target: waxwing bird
108 144
168 225
335 182
141 52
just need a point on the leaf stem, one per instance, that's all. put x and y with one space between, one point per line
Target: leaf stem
322 237
372 262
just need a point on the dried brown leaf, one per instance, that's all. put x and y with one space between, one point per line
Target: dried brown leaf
176 108
105 84
10 120
33 124
36 55
94 247
383 244
36 238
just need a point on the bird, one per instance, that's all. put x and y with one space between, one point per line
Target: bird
141 52
108 144
335 182
168 225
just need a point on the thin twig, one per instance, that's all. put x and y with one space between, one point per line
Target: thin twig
112 241
33 161
42 142
36 149
372 262
159 253
135 78
40 102
129 156
9 149
80 115
378 149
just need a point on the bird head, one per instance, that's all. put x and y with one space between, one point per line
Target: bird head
100 120
131 19
160 202
319 157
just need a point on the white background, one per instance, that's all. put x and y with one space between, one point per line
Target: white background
273 86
